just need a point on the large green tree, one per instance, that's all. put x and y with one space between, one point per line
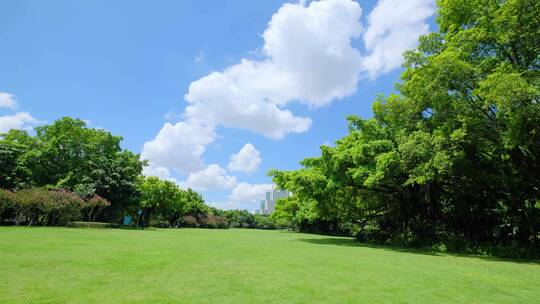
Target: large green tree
165 200
161 196
68 155
456 153
13 146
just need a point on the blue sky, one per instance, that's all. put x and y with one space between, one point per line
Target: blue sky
127 66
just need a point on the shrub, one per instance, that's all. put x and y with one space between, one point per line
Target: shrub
93 207
190 221
88 225
207 222
242 218
8 202
281 223
63 206
214 221
372 233
159 223
31 204
38 206
221 222
263 222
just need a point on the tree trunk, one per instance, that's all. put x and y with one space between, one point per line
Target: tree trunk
146 216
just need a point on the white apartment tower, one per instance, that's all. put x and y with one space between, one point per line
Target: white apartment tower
269 204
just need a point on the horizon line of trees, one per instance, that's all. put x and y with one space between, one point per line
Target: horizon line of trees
69 172
67 155
184 208
455 155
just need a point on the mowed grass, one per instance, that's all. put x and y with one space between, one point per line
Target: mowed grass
61 265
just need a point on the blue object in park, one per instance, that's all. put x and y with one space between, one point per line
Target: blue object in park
127 220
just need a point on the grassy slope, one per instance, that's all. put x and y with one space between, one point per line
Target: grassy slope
59 265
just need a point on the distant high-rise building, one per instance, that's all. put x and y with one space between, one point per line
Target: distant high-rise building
269 204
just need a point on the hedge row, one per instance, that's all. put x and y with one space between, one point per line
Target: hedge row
42 207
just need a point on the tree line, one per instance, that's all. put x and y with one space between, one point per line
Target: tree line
70 172
38 206
67 155
453 156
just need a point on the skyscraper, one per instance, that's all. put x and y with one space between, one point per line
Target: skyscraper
269 204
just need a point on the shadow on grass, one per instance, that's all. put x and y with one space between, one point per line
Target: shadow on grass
350 242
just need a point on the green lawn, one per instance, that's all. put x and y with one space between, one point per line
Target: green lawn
61 265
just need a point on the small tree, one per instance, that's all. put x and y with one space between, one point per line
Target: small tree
64 206
93 207
195 205
263 222
157 195
189 221
8 201
31 204
174 210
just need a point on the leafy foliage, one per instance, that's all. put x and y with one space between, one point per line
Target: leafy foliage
455 155
165 201
91 177
93 207
38 206
68 155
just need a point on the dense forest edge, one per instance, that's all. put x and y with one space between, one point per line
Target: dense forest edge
67 173
451 162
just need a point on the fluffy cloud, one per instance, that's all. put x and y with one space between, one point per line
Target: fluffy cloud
231 109
393 28
19 120
7 101
308 58
160 172
212 177
311 48
179 146
249 193
246 160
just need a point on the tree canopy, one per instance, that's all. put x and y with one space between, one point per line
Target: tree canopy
455 154
68 155
163 197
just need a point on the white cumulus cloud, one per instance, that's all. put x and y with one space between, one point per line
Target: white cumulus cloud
308 58
7 101
179 146
212 177
393 28
19 120
249 193
160 172
246 160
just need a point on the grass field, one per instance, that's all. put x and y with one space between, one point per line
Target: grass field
61 265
